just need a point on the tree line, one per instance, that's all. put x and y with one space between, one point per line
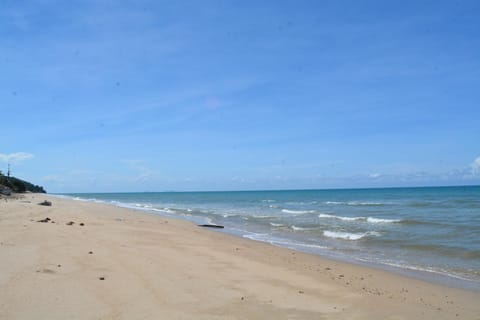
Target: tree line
19 185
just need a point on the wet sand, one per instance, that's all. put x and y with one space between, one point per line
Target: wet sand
126 264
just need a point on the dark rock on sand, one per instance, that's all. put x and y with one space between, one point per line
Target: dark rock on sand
45 203
47 219
70 223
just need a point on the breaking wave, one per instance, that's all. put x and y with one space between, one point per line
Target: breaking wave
349 236
297 211
366 219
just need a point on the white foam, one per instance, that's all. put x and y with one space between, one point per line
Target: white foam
259 216
166 210
355 203
276 224
347 235
333 202
366 219
298 228
324 215
265 237
378 220
358 203
228 215
297 211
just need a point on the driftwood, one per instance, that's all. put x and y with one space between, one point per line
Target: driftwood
211 226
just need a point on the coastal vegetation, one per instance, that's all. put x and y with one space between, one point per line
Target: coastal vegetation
18 185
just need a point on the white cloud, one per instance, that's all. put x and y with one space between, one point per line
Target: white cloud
476 165
15 157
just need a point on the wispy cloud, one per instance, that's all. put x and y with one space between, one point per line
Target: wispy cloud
476 166
15 157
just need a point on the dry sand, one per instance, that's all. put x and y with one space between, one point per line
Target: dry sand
126 264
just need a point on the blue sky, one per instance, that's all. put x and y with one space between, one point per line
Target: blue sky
234 95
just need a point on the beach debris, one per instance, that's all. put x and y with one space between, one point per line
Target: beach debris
90 252
59 265
47 219
46 270
300 291
101 278
70 223
45 203
211 226
82 224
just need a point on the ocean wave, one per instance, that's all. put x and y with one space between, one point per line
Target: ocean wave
276 224
367 219
165 210
299 228
266 237
380 220
355 203
331 216
259 216
358 203
334 202
229 215
297 211
348 235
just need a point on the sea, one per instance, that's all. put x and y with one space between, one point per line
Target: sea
432 233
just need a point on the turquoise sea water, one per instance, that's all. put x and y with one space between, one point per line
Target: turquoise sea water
432 233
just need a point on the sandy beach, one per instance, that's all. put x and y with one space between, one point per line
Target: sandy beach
116 263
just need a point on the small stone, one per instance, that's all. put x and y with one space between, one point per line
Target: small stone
82 224
300 291
101 278
70 223
90 252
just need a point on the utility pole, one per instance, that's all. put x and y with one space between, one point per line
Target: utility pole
8 172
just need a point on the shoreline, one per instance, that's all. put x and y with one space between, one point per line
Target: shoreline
431 276
157 267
